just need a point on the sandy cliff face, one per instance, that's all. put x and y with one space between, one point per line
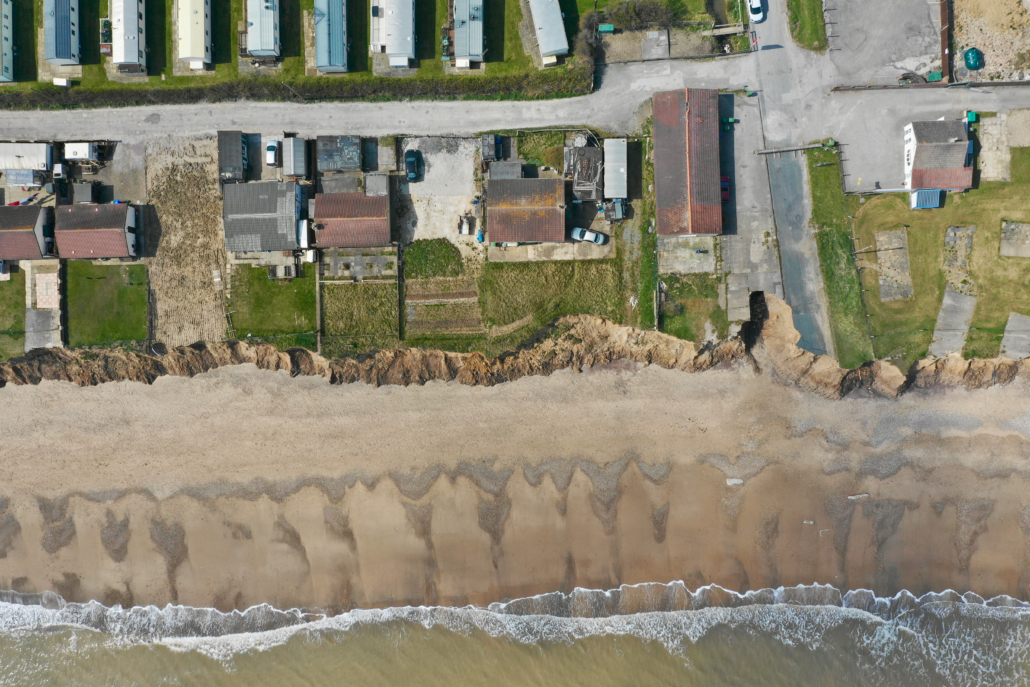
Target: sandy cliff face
769 341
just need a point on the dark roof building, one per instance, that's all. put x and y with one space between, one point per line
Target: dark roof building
95 231
686 162
23 232
338 153
526 210
351 220
938 155
232 156
261 216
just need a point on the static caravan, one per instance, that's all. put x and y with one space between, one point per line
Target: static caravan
129 39
61 32
393 30
194 25
7 38
468 33
263 28
331 36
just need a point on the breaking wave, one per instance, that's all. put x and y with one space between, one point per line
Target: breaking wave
962 639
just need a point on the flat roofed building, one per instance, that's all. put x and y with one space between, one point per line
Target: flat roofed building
90 232
62 32
261 216
7 40
351 220
616 176
26 156
194 26
393 30
232 156
331 36
686 162
526 210
128 35
24 232
938 155
295 157
338 153
550 27
468 33
263 28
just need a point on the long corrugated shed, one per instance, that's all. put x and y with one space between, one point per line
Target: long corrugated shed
468 32
295 157
331 36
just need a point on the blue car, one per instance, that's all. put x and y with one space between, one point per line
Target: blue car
412 163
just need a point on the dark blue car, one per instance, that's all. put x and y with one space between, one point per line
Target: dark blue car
412 163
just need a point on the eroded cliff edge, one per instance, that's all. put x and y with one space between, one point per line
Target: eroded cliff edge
768 342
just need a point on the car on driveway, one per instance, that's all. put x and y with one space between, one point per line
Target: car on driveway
272 154
412 162
585 235
755 12
724 184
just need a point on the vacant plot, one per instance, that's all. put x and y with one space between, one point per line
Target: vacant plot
269 309
12 316
427 258
691 309
106 303
832 223
358 317
542 148
904 329
542 291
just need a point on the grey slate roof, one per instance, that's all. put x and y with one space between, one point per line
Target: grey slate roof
231 165
260 216
940 145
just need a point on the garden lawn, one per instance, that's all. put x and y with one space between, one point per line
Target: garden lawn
105 303
263 307
691 301
12 316
428 258
357 318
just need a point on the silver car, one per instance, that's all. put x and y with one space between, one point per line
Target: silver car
579 234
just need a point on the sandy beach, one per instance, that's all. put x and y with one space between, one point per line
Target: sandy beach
243 486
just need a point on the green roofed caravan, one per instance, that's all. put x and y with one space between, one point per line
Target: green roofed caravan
331 36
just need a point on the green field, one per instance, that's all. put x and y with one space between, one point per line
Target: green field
691 301
832 225
807 25
904 328
105 303
12 315
264 308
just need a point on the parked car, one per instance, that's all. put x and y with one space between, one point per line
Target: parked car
755 12
580 234
412 163
272 154
725 185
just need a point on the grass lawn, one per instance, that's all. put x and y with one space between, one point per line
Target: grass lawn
648 275
264 308
843 290
504 51
428 258
542 148
105 303
904 328
12 316
690 302
807 25
357 318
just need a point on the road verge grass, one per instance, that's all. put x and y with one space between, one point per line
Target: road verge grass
807 26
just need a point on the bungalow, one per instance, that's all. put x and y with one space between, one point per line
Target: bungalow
89 232
61 32
938 156
7 38
263 216
129 40
331 36
194 26
26 232
468 33
263 28
351 220
525 210
549 24
393 30
686 162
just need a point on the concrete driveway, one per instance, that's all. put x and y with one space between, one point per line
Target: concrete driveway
875 41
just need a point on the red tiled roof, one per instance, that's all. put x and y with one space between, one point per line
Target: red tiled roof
92 231
526 210
352 220
17 232
953 179
686 160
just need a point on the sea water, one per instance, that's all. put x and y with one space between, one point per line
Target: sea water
795 636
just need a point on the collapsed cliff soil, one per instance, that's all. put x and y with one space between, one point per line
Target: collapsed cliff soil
768 342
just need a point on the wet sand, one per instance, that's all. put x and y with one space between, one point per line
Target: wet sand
240 487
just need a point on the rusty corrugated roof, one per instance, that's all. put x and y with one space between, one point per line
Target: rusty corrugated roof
526 210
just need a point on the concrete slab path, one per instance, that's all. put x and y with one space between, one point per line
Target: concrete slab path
949 336
1015 343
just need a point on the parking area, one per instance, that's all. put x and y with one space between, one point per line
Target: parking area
448 186
878 40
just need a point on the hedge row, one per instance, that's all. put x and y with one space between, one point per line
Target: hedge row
551 83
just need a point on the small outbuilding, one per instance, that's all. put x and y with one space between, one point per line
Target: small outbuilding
26 232
331 36
549 25
525 210
338 153
295 157
232 157
91 232
62 31
585 164
262 216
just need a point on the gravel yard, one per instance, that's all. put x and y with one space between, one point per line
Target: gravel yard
184 240
1001 29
